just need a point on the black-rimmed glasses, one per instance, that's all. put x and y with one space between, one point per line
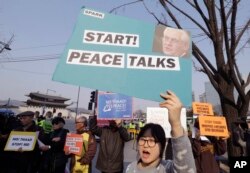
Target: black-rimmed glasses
150 142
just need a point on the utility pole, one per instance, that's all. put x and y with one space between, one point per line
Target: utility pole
77 102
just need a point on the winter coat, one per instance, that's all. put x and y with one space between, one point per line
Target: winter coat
205 152
84 162
110 156
57 157
27 161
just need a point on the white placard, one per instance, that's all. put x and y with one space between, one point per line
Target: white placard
160 116
24 140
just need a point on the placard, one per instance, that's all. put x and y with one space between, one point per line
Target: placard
202 108
160 116
213 126
113 53
18 139
114 106
74 143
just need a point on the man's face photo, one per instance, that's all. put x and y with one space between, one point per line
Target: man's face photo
171 41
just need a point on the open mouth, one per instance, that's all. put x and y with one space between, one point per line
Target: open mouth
145 154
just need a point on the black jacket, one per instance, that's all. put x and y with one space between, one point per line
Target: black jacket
27 161
110 156
247 138
56 153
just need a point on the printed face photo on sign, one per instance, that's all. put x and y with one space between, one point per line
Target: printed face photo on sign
171 42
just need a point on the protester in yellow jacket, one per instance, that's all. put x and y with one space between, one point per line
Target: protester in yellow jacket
82 164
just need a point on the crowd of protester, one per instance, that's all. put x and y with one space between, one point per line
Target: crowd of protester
185 152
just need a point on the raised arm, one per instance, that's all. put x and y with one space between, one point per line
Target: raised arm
183 160
123 132
95 130
174 105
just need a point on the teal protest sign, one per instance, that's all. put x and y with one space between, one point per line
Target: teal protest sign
122 55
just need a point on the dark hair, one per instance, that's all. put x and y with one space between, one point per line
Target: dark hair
57 120
157 133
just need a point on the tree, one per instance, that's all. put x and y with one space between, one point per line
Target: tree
218 25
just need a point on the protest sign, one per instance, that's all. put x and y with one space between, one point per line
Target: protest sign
74 143
113 53
160 116
213 126
202 108
24 140
114 106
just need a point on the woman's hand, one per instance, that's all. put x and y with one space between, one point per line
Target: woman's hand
174 105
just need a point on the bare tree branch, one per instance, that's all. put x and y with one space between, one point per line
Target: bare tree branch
203 61
192 19
230 54
123 5
238 74
230 10
211 19
172 16
224 23
242 32
156 18
197 7
199 69
203 57
242 47
247 80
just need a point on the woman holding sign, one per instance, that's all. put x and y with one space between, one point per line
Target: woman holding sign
151 142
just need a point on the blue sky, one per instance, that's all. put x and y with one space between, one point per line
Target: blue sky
41 30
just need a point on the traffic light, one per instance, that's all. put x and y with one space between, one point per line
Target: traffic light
90 106
92 96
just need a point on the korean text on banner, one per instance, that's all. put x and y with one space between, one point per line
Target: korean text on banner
213 126
74 143
202 108
24 140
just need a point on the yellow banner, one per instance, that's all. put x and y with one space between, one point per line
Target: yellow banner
21 140
202 108
213 126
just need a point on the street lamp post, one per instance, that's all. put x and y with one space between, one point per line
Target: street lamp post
78 94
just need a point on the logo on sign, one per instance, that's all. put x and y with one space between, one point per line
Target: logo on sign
93 13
